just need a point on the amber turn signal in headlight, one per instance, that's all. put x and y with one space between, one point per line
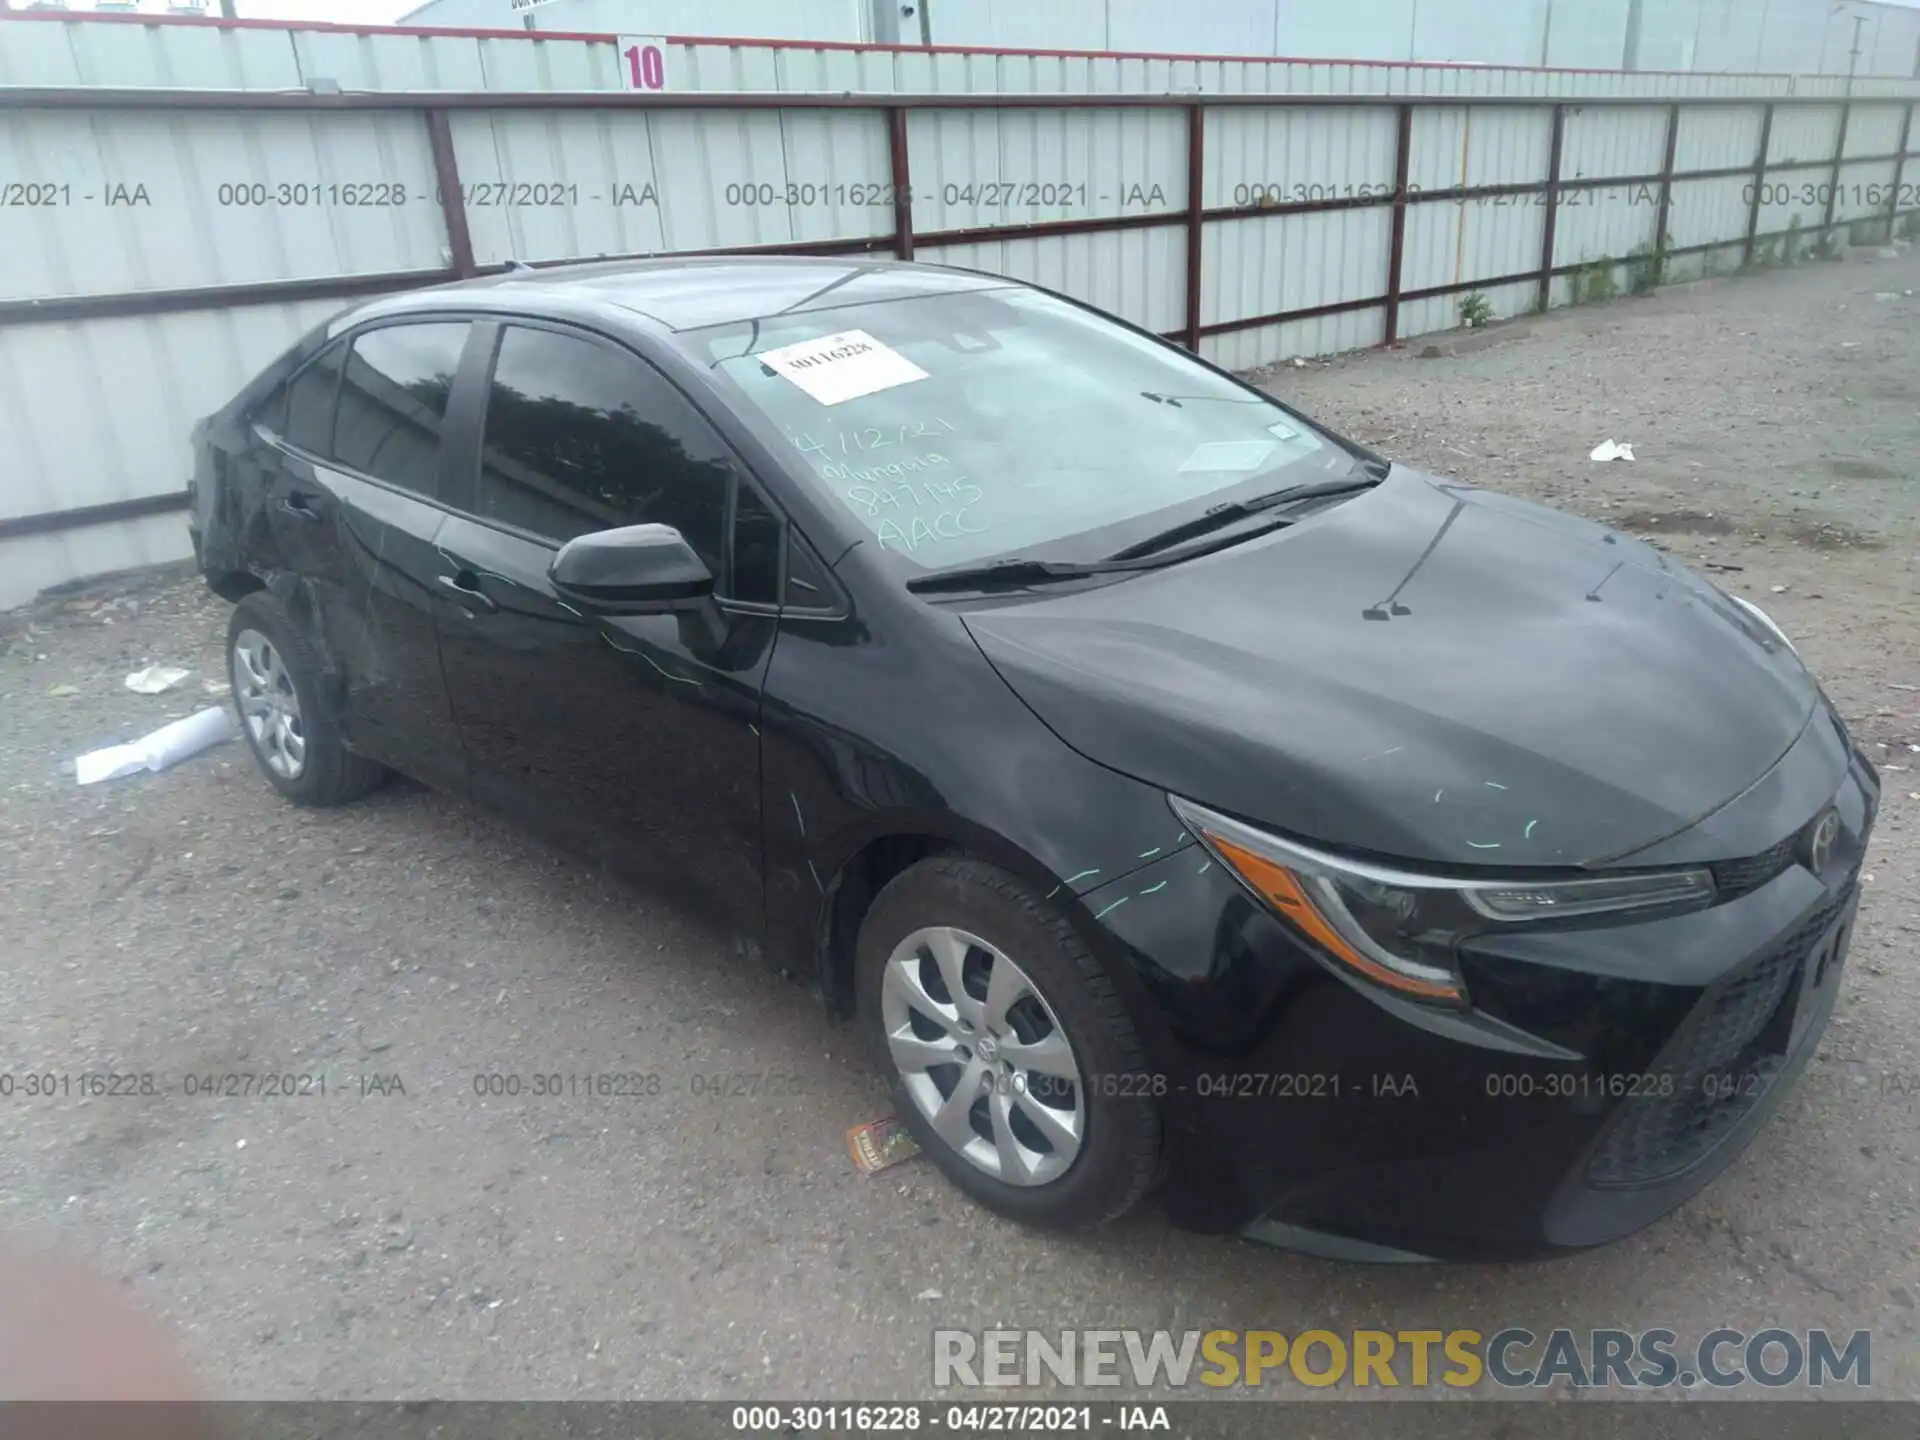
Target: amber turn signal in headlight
1398 929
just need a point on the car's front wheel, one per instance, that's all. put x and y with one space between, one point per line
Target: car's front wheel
1011 1057
276 673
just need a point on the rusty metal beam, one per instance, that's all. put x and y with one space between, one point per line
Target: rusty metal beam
897 158
1666 180
1196 216
1548 225
210 297
1759 183
1397 240
1900 169
1839 160
453 200
52 522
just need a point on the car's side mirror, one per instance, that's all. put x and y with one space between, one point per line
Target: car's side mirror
635 570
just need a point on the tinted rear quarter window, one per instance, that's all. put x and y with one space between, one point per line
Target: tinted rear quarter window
580 436
308 416
756 549
393 402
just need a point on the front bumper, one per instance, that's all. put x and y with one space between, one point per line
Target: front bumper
1605 1073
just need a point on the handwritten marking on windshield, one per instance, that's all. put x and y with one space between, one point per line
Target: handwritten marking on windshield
873 437
947 525
1495 785
1528 832
891 469
1114 906
1152 888
1490 845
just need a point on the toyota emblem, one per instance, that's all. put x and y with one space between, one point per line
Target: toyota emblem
1820 841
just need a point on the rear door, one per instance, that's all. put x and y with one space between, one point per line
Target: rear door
632 738
353 493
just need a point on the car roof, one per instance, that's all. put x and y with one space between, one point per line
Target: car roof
690 293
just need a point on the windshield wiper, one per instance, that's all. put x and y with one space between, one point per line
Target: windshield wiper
1017 571
1174 400
1372 472
1151 553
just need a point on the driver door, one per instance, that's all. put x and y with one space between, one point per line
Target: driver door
629 738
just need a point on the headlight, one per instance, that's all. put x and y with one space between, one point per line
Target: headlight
1399 929
1765 620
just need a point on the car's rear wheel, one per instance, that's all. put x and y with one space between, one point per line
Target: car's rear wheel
276 672
1010 1056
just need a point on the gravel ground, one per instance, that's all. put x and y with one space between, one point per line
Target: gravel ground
372 1243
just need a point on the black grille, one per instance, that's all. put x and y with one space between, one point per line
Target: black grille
1737 877
1723 1060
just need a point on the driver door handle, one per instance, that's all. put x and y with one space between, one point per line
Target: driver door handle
466 588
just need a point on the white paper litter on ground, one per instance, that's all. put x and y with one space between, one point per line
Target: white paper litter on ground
1609 450
842 367
156 679
168 745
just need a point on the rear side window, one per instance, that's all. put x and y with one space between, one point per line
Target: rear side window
393 402
308 418
581 436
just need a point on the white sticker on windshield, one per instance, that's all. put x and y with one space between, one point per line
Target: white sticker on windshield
1229 455
842 367
1280 430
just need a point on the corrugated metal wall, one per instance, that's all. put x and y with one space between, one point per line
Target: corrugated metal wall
1782 36
140 50
1296 213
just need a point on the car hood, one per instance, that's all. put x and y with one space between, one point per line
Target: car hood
1424 671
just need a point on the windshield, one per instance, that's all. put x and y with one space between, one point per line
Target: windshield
962 426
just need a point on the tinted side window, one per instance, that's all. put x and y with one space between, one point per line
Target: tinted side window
393 402
308 419
756 549
581 437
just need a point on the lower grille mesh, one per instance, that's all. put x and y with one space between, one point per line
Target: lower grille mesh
1724 1058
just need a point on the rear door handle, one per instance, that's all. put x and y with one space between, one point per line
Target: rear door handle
299 504
466 587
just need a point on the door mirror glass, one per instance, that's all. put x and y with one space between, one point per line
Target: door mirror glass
634 569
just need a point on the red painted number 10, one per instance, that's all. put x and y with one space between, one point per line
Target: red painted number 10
646 67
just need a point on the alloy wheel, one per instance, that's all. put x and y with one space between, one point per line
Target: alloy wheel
982 1056
269 705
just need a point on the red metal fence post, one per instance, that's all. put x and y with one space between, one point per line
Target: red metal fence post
1839 157
1397 241
1196 216
1553 205
453 205
902 183
1759 183
1899 170
1666 181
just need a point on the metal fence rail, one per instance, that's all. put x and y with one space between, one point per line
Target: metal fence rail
177 238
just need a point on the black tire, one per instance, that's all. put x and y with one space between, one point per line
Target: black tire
1116 1160
330 774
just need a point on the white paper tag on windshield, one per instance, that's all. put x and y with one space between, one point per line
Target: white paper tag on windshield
842 367
1228 455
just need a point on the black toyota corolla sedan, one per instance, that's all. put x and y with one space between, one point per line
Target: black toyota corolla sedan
1177 793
